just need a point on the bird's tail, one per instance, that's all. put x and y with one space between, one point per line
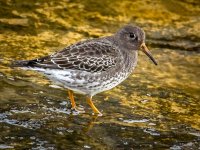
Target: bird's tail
23 63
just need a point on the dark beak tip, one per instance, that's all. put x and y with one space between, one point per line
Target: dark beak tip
147 52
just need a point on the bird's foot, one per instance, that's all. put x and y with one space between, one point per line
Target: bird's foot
97 114
78 109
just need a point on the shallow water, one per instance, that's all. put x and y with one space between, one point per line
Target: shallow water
157 107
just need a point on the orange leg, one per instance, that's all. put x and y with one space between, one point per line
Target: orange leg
73 103
95 110
71 97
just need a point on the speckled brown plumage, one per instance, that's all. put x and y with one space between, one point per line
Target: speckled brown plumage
91 56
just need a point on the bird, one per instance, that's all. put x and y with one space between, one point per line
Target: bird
94 65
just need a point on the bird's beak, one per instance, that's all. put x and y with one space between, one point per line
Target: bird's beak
148 53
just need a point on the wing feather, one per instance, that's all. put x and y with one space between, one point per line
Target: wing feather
92 56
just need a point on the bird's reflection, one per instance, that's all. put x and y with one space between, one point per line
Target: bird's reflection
91 123
86 122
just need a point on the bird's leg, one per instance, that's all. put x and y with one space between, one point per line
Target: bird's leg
73 103
95 110
71 97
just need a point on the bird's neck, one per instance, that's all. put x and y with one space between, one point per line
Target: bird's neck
130 56
130 60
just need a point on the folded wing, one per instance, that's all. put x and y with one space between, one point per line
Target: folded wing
92 56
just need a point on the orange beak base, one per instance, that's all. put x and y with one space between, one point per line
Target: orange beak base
148 53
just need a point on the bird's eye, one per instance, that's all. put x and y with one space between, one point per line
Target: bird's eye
132 35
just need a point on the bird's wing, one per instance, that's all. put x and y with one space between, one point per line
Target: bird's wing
91 56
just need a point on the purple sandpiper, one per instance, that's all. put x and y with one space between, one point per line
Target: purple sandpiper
93 66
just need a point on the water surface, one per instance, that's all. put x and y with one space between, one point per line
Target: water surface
157 107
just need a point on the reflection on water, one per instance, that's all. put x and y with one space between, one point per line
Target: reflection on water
156 107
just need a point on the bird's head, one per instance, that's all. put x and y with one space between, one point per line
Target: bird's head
132 38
